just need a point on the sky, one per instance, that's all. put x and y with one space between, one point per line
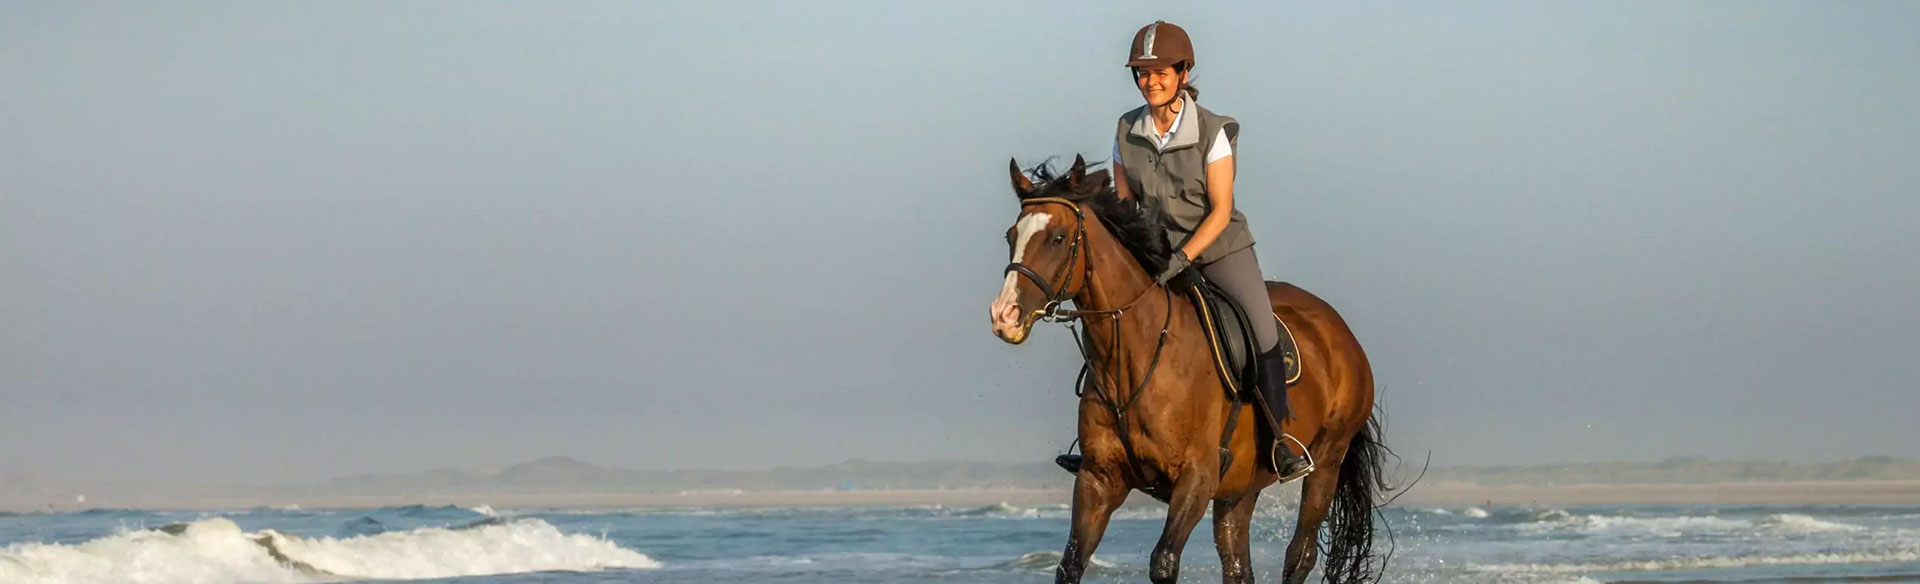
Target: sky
267 242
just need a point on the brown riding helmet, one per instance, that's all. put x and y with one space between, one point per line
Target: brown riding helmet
1161 44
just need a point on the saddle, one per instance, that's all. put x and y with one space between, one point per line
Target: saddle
1230 335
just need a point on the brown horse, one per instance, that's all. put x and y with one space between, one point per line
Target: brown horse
1153 411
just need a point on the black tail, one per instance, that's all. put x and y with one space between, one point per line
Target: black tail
1349 538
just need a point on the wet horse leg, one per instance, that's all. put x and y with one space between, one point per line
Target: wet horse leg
1232 520
1316 497
1095 496
1185 507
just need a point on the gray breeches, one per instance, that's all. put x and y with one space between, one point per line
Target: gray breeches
1239 275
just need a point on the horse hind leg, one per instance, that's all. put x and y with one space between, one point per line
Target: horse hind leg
1316 497
1232 521
1185 507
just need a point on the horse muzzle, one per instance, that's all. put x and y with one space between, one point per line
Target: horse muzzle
1016 332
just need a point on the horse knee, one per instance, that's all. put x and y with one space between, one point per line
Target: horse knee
1166 567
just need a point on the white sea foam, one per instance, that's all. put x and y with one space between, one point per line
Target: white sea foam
216 551
1907 555
1007 510
1049 560
1475 512
1797 523
1555 520
1661 526
1001 509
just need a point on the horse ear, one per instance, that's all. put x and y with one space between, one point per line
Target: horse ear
1021 186
1077 176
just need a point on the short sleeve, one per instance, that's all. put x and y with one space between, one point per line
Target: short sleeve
1222 147
1116 154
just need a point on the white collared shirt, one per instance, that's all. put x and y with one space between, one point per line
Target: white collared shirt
1222 148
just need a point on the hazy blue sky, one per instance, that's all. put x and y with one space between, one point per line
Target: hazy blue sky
288 241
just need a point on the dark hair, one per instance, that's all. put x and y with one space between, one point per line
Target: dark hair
1193 92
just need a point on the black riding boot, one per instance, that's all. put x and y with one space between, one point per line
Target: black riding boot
1273 391
1071 462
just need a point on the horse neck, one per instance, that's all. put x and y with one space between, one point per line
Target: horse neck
1114 279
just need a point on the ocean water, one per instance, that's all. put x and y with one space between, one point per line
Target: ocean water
990 544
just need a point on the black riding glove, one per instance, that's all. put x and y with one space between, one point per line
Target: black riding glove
1176 264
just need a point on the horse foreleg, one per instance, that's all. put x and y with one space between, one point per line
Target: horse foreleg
1095 496
1185 507
1231 522
1316 496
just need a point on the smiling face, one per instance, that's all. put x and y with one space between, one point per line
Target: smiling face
1159 85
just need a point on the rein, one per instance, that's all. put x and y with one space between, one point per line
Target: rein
1052 312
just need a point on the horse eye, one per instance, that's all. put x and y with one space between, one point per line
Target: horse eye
1058 238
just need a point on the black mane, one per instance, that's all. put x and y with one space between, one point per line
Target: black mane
1140 229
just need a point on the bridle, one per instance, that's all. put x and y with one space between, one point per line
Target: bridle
1051 311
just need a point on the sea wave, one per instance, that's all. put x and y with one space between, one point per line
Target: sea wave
217 551
1695 563
1001 509
843 561
1797 523
1559 520
1049 560
428 511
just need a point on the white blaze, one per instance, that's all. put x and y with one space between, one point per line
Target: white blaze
1023 232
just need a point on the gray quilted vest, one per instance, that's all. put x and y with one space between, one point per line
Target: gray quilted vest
1175 179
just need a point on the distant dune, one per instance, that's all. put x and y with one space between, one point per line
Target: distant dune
560 474
563 474
560 481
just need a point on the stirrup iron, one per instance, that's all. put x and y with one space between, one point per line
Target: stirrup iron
1305 454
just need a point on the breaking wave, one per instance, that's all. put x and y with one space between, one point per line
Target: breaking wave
1910 555
1050 560
217 551
1559 520
1004 509
1797 523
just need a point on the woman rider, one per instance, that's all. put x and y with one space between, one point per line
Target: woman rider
1179 157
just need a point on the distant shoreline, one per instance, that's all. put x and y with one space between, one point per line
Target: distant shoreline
1903 492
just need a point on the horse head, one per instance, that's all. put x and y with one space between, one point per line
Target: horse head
1047 246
